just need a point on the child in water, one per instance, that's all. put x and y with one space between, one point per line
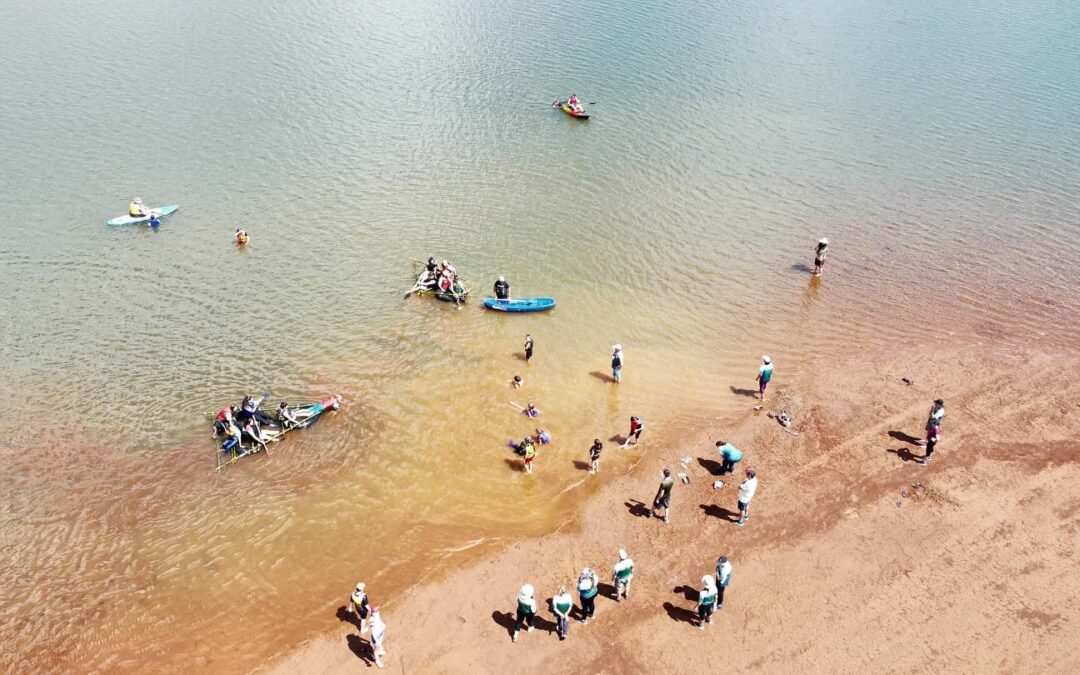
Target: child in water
530 411
517 382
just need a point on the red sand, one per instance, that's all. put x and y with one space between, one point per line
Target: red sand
837 571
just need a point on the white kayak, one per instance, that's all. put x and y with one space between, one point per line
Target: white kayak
160 211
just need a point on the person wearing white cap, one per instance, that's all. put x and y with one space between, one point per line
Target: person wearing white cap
526 610
764 374
616 363
378 636
622 575
706 601
358 606
819 256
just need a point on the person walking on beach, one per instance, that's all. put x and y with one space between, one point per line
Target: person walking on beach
746 493
561 605
526 610
636 427
594 455
723 578
622 574
706 601
378 636
528 347
729 457
764 374
663 496
819 256
358 606
935 416
616 363
588 585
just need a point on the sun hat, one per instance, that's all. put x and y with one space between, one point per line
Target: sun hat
622 554
766 359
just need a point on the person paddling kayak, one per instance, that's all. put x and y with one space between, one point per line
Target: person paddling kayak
502 289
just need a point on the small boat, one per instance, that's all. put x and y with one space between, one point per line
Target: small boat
305 413
160 212
565 107
520 304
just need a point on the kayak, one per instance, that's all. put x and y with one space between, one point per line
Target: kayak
565 107
520 304
306 414
161 212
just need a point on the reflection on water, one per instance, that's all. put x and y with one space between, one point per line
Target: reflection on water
936 146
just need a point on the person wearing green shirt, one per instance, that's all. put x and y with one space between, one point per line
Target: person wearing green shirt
706 601
622 575
588 585
561 605
526 610
729 456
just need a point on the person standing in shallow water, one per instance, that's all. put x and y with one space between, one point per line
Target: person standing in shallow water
616 363
764 375
594 455
528 348
358 605
502 289
636 427
819 256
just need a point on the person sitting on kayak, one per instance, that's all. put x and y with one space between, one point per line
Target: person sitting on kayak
572 101
432 265
136 208
542 437
224 420
502 289
285 418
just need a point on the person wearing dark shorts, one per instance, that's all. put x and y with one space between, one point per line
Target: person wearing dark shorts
933 435
359 607
594 455
636 427
528 348
663 496
819 256
706 601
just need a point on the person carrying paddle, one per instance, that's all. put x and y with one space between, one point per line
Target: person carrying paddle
502 289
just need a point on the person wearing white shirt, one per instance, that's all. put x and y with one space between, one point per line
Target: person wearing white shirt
723 578
526 610
706 601
378 636
561 605
746 493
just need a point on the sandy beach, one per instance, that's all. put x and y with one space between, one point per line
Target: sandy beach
857 557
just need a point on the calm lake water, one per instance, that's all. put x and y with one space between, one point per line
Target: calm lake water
936 143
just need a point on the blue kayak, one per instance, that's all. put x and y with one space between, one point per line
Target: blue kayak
520 304
160 211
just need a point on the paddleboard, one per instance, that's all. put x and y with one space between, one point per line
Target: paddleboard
161 211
